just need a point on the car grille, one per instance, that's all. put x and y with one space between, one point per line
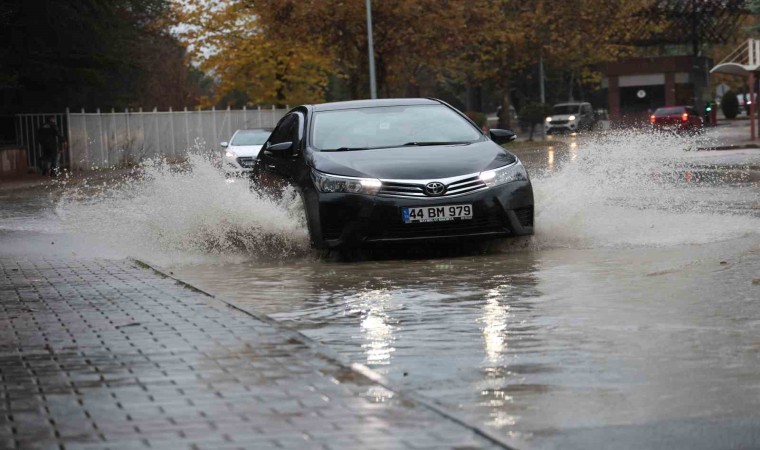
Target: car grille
481 225
416 189
525 216
246 162
558 122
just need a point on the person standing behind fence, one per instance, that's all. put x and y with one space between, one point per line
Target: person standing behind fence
49 138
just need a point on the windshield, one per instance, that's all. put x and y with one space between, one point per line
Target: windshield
251 137
566 109
669 111
394 126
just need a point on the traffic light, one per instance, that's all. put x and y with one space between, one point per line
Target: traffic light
710 113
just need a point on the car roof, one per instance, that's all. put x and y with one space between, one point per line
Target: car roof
353 104
245 130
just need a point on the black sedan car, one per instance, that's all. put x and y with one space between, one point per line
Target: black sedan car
397 170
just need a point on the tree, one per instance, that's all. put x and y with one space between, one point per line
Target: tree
509 37
87 53
259 47
320 39
254 55
535 114
730 105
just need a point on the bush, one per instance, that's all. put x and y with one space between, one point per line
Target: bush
534 114
730 105
479 118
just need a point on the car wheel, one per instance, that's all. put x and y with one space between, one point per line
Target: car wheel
309 217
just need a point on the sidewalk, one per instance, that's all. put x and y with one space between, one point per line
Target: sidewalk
732 134
106 354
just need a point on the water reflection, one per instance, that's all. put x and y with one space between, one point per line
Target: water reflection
495 324
494 319
550 160
375 326
461 331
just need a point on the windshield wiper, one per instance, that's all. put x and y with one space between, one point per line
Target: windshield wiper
421 144
345 149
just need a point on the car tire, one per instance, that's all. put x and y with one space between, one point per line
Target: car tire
311 216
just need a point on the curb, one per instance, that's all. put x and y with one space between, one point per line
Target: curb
342 361
730 147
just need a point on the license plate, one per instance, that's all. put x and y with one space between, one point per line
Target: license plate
436 213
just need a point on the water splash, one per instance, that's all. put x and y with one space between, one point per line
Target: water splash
618 189
633 188
174 214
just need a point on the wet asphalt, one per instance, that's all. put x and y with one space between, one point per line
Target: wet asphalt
631 320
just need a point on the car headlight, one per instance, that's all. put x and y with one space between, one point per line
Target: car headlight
548 119
230 155
571 118
350 185
504 175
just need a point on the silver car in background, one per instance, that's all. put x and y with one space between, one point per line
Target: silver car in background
570 117
242 149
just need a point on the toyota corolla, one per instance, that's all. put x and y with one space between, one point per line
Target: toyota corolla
397 170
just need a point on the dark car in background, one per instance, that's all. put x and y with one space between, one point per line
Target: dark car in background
677 118
397 170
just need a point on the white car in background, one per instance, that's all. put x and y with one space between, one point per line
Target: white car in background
241 151
570 117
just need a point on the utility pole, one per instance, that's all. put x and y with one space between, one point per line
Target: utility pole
543 90
541 77
371 51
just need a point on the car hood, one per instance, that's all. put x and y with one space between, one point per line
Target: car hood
245 150
413 163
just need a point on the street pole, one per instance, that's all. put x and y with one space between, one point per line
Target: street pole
543 92
371 51
541 78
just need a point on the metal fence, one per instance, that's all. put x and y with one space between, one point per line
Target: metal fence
119 138
26 128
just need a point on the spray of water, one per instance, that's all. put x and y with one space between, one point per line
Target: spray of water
618 189
173 214
633 188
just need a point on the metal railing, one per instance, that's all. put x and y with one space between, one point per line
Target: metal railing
104 139
746 54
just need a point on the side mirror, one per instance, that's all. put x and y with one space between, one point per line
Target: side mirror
281 147
502 136
224 144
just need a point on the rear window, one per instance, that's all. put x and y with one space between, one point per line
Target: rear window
670 111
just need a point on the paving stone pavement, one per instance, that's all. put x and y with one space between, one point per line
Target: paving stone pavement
105 354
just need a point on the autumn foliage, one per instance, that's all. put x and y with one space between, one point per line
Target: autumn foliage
290 51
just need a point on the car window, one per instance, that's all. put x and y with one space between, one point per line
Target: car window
250 137
566 109
390 126
286 130
669 111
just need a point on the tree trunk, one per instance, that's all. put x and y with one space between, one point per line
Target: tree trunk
474 98
505 118
570 92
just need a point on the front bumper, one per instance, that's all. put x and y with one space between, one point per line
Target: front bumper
241 165
566 127
356 220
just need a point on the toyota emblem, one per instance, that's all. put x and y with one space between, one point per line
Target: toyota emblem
435 188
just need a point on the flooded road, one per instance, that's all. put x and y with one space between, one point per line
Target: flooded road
631 319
